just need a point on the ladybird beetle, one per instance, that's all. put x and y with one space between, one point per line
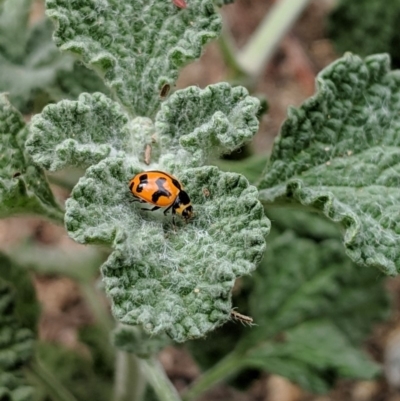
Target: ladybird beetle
162 190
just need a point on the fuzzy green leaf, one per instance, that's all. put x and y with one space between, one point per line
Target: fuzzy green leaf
215 120
23 186
174 282
339 154
16 347
313 355
165 281
77 133
194 122
136 46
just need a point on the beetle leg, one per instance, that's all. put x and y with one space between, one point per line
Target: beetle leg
137 200
167 209
151 210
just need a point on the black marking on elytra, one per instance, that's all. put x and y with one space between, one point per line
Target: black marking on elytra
131 185
184 198
161 190
176 183
143 181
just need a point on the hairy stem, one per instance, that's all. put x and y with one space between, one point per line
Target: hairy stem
52 386
259 49
159 381
223 369
129 381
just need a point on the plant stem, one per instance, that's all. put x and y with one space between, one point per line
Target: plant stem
93 299
159 381
259 49
56 216
228 51
53 387
226 367
129 382
53 212
92 296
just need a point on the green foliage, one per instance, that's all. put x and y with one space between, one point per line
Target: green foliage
306 280
78 133
182 285
23 186
314 292
304 223
31 65
339 154
165 281
370 27
221 3
83 132
136 47
251 167
70 83
13 21
16 346
315 368
212 121
311 313
134 340
26 307
85 377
